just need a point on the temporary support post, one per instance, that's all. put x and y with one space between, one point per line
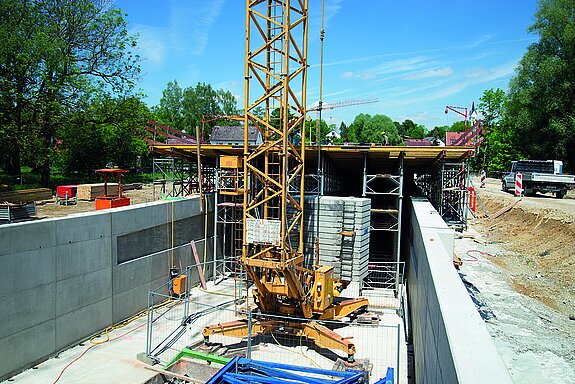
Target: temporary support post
199 165
364 174
399 208
216 191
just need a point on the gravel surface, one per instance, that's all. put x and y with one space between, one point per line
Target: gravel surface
519 269
49 208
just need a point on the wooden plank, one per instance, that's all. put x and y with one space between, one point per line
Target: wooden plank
26 195
89 192
505 209
129 187
197 258
172 374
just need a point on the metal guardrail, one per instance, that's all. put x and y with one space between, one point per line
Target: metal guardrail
175 323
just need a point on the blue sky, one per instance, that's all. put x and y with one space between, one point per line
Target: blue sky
416 57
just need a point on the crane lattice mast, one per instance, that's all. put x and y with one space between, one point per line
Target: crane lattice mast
275 84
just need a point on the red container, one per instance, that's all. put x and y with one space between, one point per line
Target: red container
103 202
61 191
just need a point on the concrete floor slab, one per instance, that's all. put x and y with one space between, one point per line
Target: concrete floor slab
115 361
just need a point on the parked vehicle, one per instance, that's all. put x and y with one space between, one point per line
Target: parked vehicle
539 176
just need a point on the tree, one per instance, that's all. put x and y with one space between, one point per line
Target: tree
343 132
400 129
542 94
108 130
227 102
72 49
184 108
170 111
438 133
413 131
311 131
370 129
497 149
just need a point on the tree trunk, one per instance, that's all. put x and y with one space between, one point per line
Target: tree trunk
45 173
12 164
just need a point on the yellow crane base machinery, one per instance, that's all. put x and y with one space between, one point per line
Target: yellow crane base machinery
272 184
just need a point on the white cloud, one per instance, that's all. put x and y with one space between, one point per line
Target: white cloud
442 72
347 75
190 23
187 31
395 66
457 85
332 8
476 72
151 44
417 117
480 41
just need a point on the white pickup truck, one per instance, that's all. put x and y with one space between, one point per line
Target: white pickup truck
539 176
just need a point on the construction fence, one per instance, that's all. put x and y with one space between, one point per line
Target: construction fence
175 323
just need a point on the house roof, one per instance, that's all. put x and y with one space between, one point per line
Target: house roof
455 138
233 133
417 142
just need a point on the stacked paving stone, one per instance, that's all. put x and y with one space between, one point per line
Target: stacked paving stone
343 234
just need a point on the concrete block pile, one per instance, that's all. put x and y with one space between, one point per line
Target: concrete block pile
343 234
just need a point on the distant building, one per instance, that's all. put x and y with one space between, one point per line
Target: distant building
459 138
417 142
234 135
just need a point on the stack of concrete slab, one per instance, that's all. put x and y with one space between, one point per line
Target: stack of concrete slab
343 234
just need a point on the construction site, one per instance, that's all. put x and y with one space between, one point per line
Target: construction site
270 257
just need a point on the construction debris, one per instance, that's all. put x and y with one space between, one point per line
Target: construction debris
26 195
89 192
505 209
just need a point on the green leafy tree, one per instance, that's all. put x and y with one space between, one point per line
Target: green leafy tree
413 130
227 102
400 129
370 129
459 126
184 108
497 149
343 133
72 50
108 130
438 133
542 93
312 130
170 111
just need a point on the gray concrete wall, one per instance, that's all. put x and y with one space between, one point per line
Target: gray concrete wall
60 280
451 342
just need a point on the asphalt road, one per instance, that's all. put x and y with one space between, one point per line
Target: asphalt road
560 209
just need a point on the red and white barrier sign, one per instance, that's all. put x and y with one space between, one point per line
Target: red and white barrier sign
518 184
482 179
472 199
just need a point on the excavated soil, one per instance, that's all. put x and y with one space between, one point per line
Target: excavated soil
538 240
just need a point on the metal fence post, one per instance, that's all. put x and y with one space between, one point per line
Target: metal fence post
249 346
398 352
149 325
186 296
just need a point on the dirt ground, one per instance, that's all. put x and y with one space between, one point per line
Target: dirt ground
539 235
519 271
49 208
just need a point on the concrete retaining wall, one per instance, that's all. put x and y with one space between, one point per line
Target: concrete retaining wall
60 279
451 342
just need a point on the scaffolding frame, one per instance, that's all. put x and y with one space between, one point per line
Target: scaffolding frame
386 194
179 176
446 187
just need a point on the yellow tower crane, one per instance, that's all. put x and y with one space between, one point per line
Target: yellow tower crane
273 184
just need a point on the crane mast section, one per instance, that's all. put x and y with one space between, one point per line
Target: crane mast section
275 100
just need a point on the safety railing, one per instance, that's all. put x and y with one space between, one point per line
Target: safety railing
175 323
384 284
